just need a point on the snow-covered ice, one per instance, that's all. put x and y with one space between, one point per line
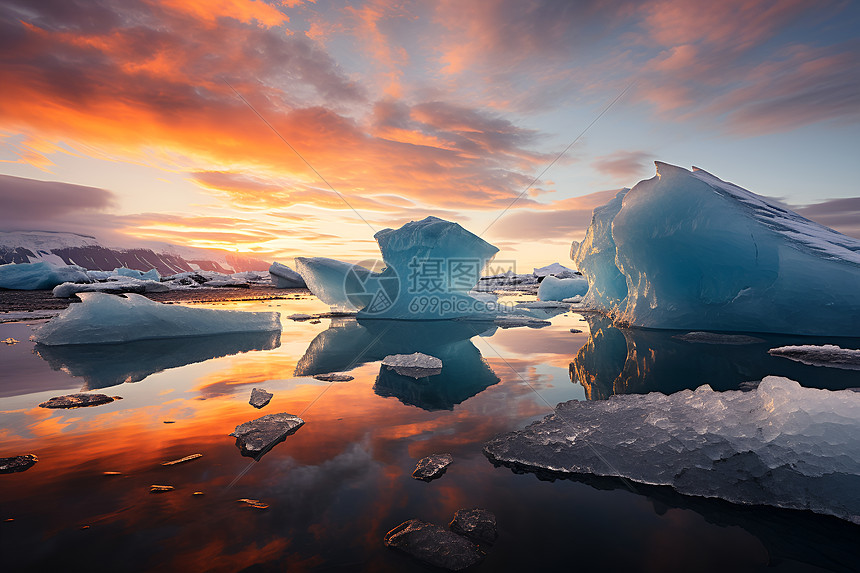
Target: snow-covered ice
780 444
41 275
685 250
823 355
285 277
553 288
105 318
125 284
431 265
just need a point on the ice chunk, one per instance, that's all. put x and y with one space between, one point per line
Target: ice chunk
825 355
432 467
553 288
285 277
685 250
780 444
259 397
150 275
41 275
105 318
416 365
127 284
431 265
477 523
257 437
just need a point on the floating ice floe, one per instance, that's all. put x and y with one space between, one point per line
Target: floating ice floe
431 265
41 275
124 284
432 467
104 318
824 355
434 544
259 397
780 444
257 437
285 277
415 365
685 250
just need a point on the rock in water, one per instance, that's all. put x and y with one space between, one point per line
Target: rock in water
824 355
416 365
478 524
259 397
257 437
432 467
688 251
434 545
77 401
17 463
779 444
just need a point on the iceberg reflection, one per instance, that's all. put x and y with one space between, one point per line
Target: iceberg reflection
637 361
104 365
349 343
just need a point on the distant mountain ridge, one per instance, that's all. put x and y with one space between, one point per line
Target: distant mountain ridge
85 251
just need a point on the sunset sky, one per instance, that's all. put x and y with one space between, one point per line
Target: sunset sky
124 110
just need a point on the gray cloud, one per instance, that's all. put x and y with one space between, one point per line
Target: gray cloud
27 204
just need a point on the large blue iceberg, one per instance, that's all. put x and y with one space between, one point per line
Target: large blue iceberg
686 250
430 267
104 319
41 275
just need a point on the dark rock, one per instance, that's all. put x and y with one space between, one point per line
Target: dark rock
259 397
575 330
334 377
257 437
17 463
432 467
77 401
434 545
478 524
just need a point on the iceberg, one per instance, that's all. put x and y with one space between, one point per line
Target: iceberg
41 275
780 444
553 288
285 277
105 318
126 284
686 250
431 265
553 269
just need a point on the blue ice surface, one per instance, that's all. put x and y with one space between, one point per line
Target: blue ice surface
686 250
553 288
150 275
430 267
40 275
105 318
284 277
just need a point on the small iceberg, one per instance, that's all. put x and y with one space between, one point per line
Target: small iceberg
554 288
104 318
41 275
285 277
430 267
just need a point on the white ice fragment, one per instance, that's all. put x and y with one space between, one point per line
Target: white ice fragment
573 300
125 284
104 318
779 444
824 355
688 251
415 365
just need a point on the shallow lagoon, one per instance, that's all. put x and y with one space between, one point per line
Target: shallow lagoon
338 484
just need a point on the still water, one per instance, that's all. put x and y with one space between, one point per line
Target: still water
335 487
